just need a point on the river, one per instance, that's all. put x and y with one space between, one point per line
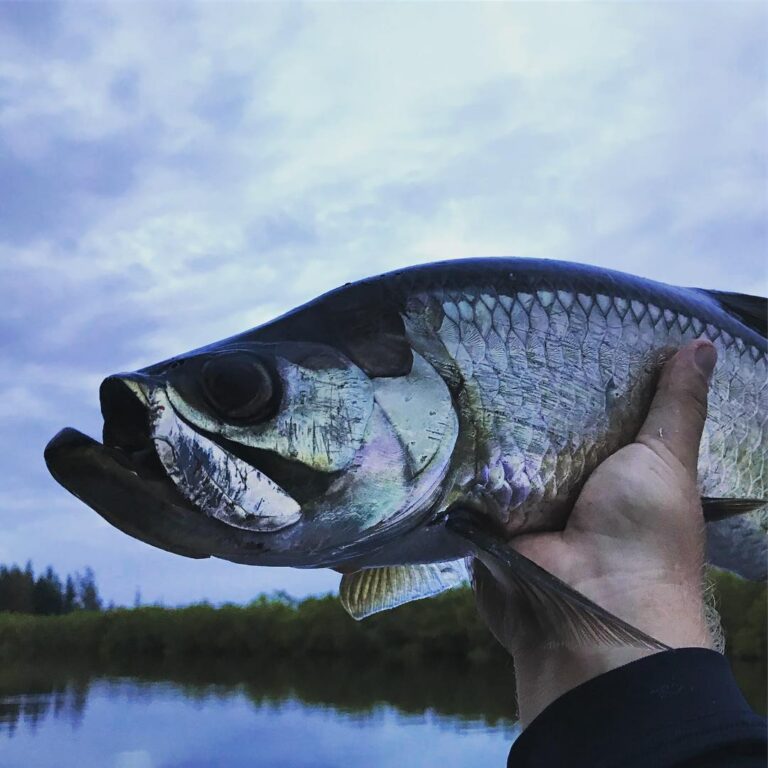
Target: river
215 715
221 714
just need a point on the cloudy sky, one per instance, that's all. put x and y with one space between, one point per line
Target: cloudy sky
171 174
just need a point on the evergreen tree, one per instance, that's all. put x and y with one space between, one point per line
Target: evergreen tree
87 592
47 596
21 592
5 595
70 596
16 594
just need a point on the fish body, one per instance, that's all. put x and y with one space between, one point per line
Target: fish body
340 434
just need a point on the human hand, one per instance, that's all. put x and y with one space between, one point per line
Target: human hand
634 542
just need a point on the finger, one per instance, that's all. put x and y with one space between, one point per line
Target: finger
676 418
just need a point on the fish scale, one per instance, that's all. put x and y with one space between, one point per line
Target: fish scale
557 382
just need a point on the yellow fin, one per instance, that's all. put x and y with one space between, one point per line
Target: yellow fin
373 590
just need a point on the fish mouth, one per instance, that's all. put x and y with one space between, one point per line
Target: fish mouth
124 405
117 486
124 408
125 481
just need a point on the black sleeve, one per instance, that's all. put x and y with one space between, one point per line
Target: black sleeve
676 709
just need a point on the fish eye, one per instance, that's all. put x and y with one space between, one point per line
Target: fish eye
240 386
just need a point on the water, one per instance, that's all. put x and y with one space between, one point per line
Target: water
286 718
226 715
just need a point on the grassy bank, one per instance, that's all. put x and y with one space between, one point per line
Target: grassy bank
445 628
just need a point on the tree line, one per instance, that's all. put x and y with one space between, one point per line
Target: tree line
277 625
47 594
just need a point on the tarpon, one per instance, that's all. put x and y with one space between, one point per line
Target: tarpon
345 433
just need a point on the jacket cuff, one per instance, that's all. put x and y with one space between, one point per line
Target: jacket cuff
659 710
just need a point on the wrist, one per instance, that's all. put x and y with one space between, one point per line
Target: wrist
544 675
545 671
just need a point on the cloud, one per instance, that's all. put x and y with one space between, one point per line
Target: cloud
32 25
38 195
172 178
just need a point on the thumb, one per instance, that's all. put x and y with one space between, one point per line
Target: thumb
676 418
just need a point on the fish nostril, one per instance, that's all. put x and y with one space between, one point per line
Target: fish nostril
126 420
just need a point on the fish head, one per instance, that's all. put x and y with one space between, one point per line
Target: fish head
282 452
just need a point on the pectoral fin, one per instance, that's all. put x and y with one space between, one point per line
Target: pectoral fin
558 610
372 590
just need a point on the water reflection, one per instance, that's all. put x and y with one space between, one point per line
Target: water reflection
312 716
30 694
216 713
